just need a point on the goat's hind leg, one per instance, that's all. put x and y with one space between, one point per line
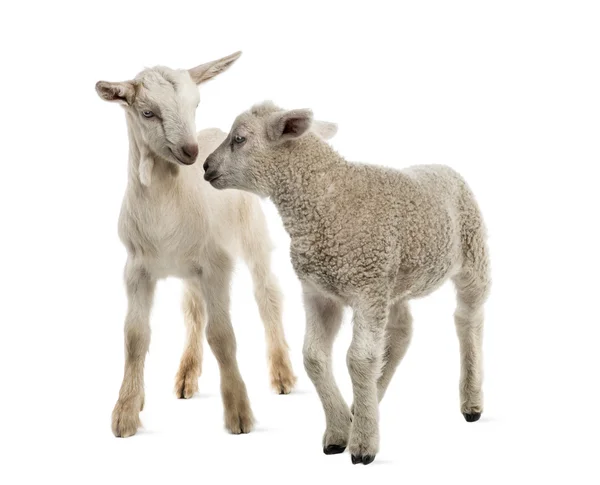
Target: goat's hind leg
256 252
472 289
190 368
268 299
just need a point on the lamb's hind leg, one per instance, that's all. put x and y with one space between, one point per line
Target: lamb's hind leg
398 333
256 252
186 381
471 290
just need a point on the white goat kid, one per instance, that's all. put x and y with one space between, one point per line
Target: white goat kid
175 224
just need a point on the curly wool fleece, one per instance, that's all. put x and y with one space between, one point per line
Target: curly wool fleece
369 237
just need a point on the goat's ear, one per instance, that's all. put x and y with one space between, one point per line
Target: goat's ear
120 92
324 129
289 124
204 72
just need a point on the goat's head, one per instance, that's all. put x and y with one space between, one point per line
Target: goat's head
161 105
255 142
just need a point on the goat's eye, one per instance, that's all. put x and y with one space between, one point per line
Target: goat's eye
147 114
239 139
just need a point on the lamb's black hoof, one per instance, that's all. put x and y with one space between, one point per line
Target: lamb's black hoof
472 417
364 459
368 459
333 449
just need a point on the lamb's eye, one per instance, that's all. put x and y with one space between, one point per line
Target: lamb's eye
147 114
239 139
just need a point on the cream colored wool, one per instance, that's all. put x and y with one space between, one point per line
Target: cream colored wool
368 237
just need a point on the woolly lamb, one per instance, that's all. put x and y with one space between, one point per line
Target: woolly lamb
175 224
368 237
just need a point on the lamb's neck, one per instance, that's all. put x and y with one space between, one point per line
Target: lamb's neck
306 176
158 169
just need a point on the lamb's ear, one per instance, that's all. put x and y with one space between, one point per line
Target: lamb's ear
289 124
207 71
324 129
120 92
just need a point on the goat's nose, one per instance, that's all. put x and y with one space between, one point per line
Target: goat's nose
190 150
206 163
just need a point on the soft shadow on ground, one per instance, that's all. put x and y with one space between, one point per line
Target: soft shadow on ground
297 392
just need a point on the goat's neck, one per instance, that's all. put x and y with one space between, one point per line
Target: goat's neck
304 182
161 170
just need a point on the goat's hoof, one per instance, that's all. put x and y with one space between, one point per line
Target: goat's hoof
364 459
238 417
283 379
186 380
186 387
125 419
333 449
241 424
472 417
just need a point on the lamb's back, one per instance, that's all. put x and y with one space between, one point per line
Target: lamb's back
400 225
415 209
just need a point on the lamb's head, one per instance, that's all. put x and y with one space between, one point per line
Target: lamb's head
161 106
256 142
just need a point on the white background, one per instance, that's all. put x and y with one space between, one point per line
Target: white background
507 93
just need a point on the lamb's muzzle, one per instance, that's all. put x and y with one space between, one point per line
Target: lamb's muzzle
210 173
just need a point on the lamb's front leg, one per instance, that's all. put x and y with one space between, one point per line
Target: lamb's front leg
364 363
140 292
323 319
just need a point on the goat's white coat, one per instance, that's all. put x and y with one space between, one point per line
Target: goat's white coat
173 223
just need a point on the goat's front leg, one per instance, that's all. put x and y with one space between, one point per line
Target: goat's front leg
221 339
140 292
364 363
323 320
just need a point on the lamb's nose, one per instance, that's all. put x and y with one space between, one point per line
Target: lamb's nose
190 150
